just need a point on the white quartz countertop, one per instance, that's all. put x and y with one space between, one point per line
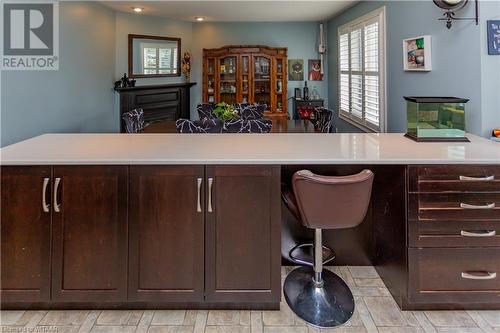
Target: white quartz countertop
289 148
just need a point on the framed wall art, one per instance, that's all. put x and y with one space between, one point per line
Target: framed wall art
295 70
417 54
493 37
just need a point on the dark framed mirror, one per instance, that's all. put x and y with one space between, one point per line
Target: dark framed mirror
153 56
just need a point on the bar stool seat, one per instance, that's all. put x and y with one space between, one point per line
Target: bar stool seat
319 297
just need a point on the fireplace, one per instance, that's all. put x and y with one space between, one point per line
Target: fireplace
159 102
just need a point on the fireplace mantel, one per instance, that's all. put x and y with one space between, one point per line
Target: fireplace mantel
159 101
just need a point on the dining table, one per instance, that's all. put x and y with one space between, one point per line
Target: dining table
280 125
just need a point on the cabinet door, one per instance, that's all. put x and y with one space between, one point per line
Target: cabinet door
166 233
262 81
228 79
89 233
243 234
25 234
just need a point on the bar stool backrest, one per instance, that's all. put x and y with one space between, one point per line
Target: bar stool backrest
332 202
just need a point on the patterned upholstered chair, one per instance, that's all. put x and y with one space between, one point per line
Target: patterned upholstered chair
248 126
199 126
205 111
251 111
134 121
323 120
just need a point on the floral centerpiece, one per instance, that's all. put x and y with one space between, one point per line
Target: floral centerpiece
186 65
225 112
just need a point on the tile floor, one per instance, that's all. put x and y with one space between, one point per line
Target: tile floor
376 311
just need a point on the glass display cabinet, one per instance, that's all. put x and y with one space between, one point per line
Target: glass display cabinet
436 118
246 74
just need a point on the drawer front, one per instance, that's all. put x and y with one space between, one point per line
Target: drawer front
454 275
454 206
445 178
453 233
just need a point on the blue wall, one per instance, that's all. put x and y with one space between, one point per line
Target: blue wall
490 72
455 59
301 39
76 98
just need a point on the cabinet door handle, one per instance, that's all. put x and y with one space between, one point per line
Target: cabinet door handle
469 206
210 183
478 179
479 275
57 206
45 205
482 233
198 204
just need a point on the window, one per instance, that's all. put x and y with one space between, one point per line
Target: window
158 59
362 71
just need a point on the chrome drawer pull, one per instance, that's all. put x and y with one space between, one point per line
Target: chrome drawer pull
478 179
210 183
479 275
57 206
469 206
484 233
198 203
45 205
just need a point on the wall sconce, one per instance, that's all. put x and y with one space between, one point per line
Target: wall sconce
451 6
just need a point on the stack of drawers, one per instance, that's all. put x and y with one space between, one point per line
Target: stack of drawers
454 235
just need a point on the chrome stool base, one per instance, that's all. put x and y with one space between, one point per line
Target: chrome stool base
327 306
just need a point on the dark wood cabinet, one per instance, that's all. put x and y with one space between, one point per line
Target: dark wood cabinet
242 234
89 259
307 105
166 250
209 236
25 233
453 237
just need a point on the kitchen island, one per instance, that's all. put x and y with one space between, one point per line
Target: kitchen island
194 221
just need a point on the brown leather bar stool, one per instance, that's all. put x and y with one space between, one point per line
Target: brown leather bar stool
319 297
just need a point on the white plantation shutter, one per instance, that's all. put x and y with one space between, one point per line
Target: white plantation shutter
357 95
344 67
356 62
361 67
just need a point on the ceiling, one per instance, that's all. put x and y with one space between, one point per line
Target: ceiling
237 11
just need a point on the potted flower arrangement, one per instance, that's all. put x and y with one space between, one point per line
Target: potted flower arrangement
186 65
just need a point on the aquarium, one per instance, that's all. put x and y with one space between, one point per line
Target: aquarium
436 118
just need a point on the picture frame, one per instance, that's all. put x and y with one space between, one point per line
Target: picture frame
295 70
493 37
314 70
417 54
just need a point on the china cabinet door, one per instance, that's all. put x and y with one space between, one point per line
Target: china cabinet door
262 85
210 83
228 82
245 79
